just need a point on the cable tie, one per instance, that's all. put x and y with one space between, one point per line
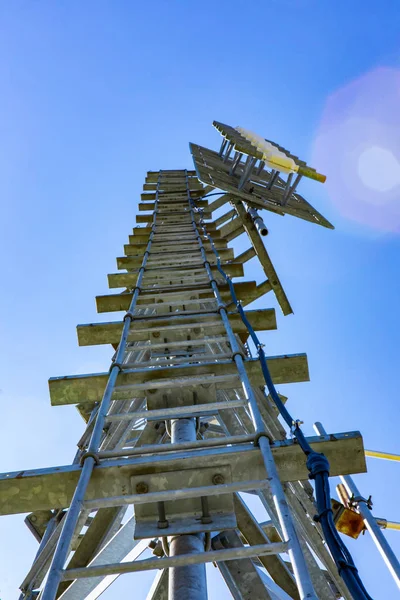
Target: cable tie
317 464
344 564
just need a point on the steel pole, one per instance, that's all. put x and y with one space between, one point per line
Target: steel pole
378 537
189 582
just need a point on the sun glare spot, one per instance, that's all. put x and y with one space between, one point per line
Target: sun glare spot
379 170
358 147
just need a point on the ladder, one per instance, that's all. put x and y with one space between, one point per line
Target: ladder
181 427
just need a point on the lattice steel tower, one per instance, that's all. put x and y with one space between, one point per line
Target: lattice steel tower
187 418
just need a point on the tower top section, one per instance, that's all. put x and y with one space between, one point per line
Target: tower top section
259 172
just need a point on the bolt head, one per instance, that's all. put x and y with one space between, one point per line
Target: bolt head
142 487
218 479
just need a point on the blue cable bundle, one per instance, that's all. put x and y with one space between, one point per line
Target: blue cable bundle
317 464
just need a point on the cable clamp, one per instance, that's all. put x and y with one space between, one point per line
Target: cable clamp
86 455
115 364
130 315
354 500
221 307
323 513
296 425
213 281
238 353
261 434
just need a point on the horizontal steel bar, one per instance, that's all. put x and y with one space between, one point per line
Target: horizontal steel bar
182 361
165 496
156 448
43 489
176 410
176 561
180 343
229 379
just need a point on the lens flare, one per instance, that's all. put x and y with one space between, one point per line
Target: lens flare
358 147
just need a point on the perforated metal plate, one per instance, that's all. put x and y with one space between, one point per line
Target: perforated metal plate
212 170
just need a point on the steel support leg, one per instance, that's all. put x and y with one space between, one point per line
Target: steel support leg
189 582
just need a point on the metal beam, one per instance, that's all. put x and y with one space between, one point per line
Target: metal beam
40 489
241 576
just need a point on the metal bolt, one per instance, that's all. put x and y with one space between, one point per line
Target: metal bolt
33 519
142 487
218 479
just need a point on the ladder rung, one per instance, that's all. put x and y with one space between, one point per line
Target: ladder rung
189 361
229 379
177 303
179 344
176 315
156 448
177 411
181 560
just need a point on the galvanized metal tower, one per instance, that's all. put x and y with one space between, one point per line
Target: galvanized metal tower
181 423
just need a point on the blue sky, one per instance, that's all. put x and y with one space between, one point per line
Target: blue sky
92 95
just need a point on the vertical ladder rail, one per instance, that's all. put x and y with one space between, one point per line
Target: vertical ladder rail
90 457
